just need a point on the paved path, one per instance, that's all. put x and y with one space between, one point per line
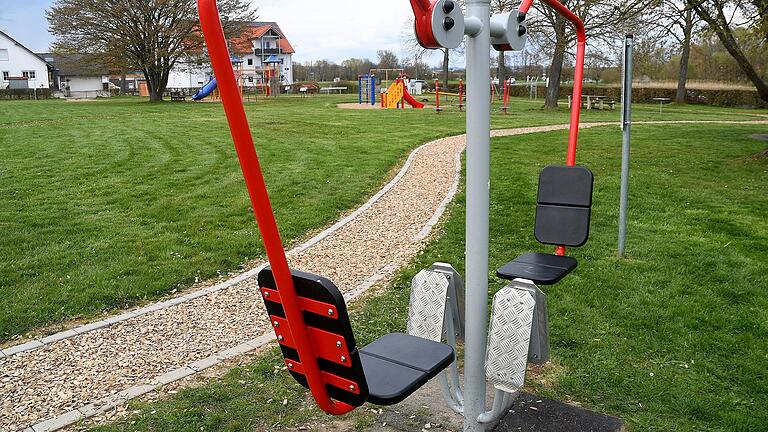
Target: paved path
49 383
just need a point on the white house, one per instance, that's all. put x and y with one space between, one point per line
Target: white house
262 42
262 48
75 76
17 61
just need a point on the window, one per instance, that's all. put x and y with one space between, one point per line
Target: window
28 74
250 62
6 75
250 79
3 55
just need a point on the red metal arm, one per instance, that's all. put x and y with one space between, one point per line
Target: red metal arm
254 181
578 73
578 78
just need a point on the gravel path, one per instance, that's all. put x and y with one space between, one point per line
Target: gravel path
58 380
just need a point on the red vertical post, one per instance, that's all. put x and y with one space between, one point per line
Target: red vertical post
506 96
437 96
461 95
402 99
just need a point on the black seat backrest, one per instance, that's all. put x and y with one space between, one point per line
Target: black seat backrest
564 205
327 322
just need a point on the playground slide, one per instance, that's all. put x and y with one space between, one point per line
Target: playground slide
411 100
205 90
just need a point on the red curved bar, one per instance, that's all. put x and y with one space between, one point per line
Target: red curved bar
254 181
578 73
422 13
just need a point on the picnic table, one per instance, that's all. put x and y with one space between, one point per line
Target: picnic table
661 101
332 89
590 101
178 97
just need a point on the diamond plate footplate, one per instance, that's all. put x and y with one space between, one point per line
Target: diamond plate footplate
426 310
509 337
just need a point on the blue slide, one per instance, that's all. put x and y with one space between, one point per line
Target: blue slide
205 90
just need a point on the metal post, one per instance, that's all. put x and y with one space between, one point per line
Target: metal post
478 201
372 89
626 123
360 89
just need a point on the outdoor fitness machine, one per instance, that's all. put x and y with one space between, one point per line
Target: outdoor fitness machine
308 312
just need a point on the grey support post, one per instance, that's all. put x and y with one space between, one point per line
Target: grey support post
478 201
626 123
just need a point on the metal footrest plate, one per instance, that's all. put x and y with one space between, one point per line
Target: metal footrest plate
426 310
508 338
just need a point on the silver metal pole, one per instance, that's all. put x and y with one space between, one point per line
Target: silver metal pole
626 123
478 201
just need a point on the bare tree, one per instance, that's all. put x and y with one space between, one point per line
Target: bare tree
147 35
601 20
413 48
674 19
723 17
387 60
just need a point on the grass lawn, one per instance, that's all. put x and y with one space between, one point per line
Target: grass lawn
111 203
675 337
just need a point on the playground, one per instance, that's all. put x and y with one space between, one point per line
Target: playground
689 225
452 267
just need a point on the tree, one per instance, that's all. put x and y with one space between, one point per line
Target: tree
721 16
147 35
673 18
414 50
602 19
387 60
354 67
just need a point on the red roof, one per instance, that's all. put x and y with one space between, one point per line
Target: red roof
242 44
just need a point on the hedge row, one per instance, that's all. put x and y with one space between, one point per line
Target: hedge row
725 97
43 93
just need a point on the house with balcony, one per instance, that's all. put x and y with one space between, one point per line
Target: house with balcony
261 47
259 50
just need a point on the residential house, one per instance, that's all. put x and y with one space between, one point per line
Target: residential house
75 76
18 63
258 47
261 45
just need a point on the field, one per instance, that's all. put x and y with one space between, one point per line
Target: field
114 203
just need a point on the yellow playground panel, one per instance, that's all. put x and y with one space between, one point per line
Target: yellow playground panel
395 94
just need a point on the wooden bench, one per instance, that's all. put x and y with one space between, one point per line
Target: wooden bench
178 97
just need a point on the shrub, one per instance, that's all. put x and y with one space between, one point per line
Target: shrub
718 97
8 94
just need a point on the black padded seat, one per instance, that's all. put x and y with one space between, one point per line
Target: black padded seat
563 211
544 269
397 364
384 372
563 205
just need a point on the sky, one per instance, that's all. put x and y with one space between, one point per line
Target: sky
319 30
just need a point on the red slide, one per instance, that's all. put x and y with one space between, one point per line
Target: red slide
411 101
